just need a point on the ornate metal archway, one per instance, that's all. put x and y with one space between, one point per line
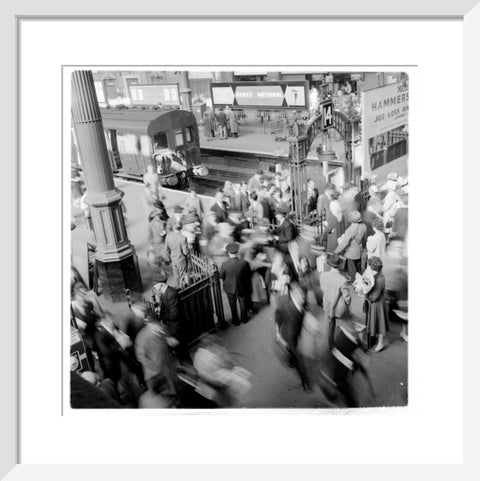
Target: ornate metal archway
300 143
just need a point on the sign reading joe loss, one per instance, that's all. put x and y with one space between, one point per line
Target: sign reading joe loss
276 95
384 109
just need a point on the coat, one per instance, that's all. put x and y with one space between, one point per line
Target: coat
333 230
221 215
351 243
289 320
233 122
207 125
177 248
152 352
323 202
376 245
236 276
376 308
241 202
334 285
286 232
193 203
312 201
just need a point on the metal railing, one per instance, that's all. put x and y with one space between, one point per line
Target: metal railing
201 298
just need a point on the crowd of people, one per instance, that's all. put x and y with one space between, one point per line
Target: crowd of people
359 249
222 123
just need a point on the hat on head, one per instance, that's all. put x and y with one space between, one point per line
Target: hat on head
160 277
283 209
232 248
189 219
334 261
355 216
373 189
392 176
177 209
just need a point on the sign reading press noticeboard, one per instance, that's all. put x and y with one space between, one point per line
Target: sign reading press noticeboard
274 95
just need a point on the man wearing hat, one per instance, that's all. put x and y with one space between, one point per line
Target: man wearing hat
391 202
236 276
175 219
176 246
219 208
286 230
336 295
352 243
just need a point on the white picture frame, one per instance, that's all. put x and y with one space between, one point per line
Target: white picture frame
16 14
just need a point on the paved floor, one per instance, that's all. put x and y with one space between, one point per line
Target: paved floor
252 344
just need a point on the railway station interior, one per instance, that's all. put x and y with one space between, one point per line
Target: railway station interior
280 195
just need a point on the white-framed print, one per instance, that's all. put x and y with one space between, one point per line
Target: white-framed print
435 45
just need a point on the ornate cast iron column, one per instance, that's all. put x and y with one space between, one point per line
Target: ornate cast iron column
117 262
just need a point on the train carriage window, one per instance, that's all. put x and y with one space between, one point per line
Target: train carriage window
189 134
160 140
178 138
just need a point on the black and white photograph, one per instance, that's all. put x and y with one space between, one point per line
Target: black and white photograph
239 238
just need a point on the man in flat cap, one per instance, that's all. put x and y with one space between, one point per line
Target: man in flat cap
236 276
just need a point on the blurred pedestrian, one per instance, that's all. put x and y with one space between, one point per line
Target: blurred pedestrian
222 124
286 231
375 307
207 126
228 193
241 201
351 244
152 352
323 201
157 253
255 182
334 228
177 249
236 276
289 316
312 196
336 295
376 243
233 123
373 210
219 207
193 204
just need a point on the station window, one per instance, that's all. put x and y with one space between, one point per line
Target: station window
178 138
160 140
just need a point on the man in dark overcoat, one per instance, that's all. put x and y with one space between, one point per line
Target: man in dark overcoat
236 276
289 321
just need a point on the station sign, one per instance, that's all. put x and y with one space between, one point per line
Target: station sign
275 95
327 115
154 94
384 109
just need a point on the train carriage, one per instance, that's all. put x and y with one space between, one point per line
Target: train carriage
165 138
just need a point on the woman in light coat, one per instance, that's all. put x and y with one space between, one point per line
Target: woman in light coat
376 243
335 226
351 244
